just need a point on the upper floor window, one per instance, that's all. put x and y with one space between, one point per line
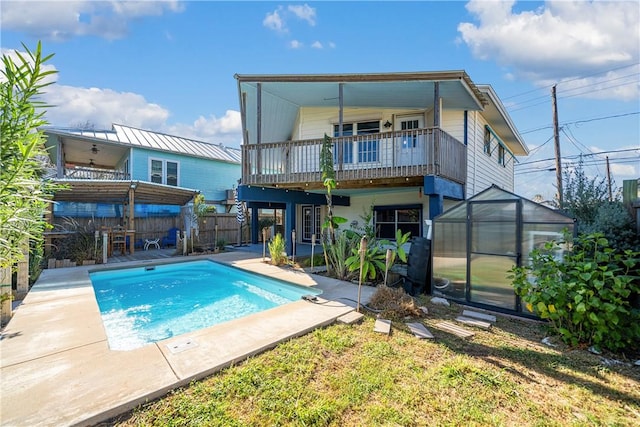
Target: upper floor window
366 148
487 140
501 155
163 172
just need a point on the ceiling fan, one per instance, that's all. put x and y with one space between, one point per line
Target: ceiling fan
94 149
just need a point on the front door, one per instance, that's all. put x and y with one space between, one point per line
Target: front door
310 222
494 240
410 147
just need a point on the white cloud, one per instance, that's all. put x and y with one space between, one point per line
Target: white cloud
304 12
101 108
226 130
277 20
295 44
61 20
562 40
317 45
274 21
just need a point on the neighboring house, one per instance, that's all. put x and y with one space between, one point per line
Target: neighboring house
161 172
407 144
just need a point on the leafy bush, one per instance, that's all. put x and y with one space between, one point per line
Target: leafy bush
374 262
586 296
277 250
614 221
336 254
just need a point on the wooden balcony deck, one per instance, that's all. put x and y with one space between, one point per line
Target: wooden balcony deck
397 158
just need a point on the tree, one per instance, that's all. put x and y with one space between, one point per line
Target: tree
582 196
24 197
587 200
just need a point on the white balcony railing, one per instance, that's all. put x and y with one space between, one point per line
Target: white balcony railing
411 153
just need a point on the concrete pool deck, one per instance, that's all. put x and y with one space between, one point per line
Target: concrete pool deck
56 367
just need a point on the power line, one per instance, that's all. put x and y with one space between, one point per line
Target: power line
523 104
578 155
582 121
551 167
547 88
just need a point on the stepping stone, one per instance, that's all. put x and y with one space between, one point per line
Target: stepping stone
419 330
351 317
481 316
455 329
473 322
383 326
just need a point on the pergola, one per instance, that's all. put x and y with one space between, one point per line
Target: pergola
125 192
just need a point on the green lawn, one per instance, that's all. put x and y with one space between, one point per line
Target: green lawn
348 375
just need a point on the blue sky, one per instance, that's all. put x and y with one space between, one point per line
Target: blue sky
169 66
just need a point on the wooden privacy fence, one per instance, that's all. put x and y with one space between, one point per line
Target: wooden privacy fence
157 227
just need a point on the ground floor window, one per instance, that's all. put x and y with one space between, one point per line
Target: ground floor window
388 219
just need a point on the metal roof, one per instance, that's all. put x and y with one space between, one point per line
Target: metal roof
130 136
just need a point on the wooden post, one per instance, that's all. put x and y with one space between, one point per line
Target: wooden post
556 144
5 295
23 269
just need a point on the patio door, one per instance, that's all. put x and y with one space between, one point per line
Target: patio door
310 222
410 148
493 242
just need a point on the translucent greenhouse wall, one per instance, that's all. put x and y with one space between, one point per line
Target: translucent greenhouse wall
477 242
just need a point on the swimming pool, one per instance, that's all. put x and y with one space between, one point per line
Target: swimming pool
146 304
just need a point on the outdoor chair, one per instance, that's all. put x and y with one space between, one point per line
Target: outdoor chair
118 240
170 238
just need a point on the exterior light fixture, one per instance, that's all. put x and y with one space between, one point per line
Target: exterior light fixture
387 124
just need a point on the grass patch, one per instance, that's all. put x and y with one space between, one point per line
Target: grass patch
351 376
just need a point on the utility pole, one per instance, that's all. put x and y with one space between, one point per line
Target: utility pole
609 179
556 138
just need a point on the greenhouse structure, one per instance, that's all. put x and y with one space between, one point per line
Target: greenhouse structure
477 242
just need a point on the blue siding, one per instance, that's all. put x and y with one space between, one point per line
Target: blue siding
211 177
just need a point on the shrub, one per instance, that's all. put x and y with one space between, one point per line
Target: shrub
614 221
277 250
586 296
336 254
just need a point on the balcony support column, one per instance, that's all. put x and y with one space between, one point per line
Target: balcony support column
437 189
60 159
289 225
254 225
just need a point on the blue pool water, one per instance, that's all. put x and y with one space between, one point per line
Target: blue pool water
147 304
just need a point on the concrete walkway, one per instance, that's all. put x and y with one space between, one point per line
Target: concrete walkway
57 368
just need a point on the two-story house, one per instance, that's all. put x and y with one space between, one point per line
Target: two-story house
406 144
131 173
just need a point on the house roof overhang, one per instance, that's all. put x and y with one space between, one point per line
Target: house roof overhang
286 94
389 90
111 191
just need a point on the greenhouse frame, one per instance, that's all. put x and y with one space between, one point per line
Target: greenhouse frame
477 242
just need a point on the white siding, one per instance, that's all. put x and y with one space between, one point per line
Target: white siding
484 170
361 203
